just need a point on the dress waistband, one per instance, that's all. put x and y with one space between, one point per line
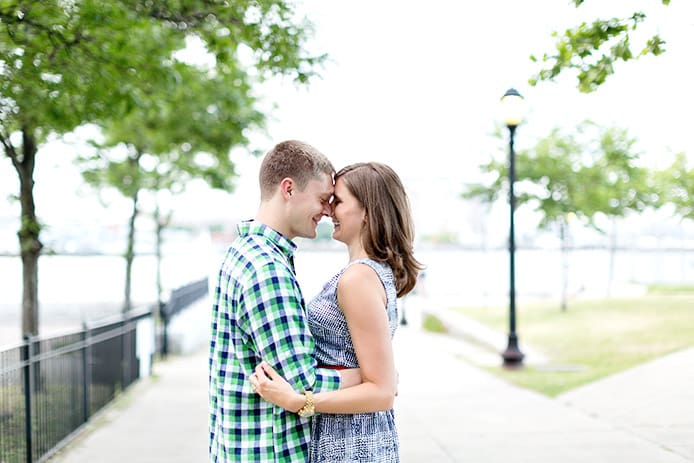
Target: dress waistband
333 367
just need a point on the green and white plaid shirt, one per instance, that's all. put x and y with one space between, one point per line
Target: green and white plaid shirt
258 314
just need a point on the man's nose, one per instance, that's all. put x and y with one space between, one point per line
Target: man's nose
327 210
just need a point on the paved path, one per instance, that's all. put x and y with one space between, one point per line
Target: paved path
447 410
451 411
654 401
160 419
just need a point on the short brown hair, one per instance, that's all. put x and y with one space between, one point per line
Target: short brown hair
294 159
389 229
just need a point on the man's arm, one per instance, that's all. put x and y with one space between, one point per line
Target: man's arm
280 333
362 300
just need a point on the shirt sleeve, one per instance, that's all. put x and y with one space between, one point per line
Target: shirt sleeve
279 329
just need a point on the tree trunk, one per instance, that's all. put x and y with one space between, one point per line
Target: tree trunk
134 161
613 256
160 226
564 265
130 255
29 244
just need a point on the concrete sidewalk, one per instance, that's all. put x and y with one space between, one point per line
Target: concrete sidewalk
162 418
447 411
451 411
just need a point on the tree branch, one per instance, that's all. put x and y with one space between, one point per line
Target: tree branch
10 150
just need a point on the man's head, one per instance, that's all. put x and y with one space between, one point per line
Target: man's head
296 183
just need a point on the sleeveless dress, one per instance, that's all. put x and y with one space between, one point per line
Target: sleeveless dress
359 437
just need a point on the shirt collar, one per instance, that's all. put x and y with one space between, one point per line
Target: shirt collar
253 227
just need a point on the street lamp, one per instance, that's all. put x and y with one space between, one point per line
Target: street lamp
512 104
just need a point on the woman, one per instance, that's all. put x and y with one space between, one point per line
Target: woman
354 318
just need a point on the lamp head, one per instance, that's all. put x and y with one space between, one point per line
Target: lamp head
512 107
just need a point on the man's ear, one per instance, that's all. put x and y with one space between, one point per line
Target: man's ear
287 187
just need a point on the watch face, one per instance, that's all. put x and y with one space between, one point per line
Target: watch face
309 409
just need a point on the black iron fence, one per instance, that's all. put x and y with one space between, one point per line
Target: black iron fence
180 299
49 387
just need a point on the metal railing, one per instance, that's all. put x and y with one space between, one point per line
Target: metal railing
180 299
49 387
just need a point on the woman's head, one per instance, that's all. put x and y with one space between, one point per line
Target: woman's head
386 230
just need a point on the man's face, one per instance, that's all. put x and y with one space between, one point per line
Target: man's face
309 206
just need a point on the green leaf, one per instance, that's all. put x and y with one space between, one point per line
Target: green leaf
590 49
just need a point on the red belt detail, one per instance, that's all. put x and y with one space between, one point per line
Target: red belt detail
333 367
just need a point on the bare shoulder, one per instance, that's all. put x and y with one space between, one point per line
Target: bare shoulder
359 276
360 287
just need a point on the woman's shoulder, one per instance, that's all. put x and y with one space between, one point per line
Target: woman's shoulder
378 266
365 270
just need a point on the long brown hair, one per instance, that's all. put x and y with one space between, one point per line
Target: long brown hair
388 230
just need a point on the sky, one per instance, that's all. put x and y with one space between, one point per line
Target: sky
417 85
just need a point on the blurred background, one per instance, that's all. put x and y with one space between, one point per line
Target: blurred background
416 86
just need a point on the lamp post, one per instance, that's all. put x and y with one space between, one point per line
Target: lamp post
403 320
512 106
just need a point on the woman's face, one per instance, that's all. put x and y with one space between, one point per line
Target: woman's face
347 213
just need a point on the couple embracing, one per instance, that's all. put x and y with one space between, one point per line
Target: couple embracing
296 382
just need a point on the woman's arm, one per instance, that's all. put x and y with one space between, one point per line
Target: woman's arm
362 299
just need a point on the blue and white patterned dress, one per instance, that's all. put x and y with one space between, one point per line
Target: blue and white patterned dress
359 437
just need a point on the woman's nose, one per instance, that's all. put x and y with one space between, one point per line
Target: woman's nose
327 210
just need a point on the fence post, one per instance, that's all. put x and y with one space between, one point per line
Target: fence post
127 354
179 299
28 390
122 354
165 333
86 372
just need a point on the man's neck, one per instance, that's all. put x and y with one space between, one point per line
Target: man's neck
273 216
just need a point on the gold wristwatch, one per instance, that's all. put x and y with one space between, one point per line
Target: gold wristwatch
309 409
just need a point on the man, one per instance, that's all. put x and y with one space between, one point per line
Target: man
259 314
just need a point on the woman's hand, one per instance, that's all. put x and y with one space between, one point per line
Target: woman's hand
275 389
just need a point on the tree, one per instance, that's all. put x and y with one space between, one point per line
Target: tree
676 186
593 49
51 58
550 178
578 175
64 64
184 130
621 186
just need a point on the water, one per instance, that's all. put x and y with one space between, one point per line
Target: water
73 289
473 276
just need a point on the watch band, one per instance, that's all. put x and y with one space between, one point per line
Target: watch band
309 409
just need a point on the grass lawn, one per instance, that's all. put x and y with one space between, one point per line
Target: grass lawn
593 339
